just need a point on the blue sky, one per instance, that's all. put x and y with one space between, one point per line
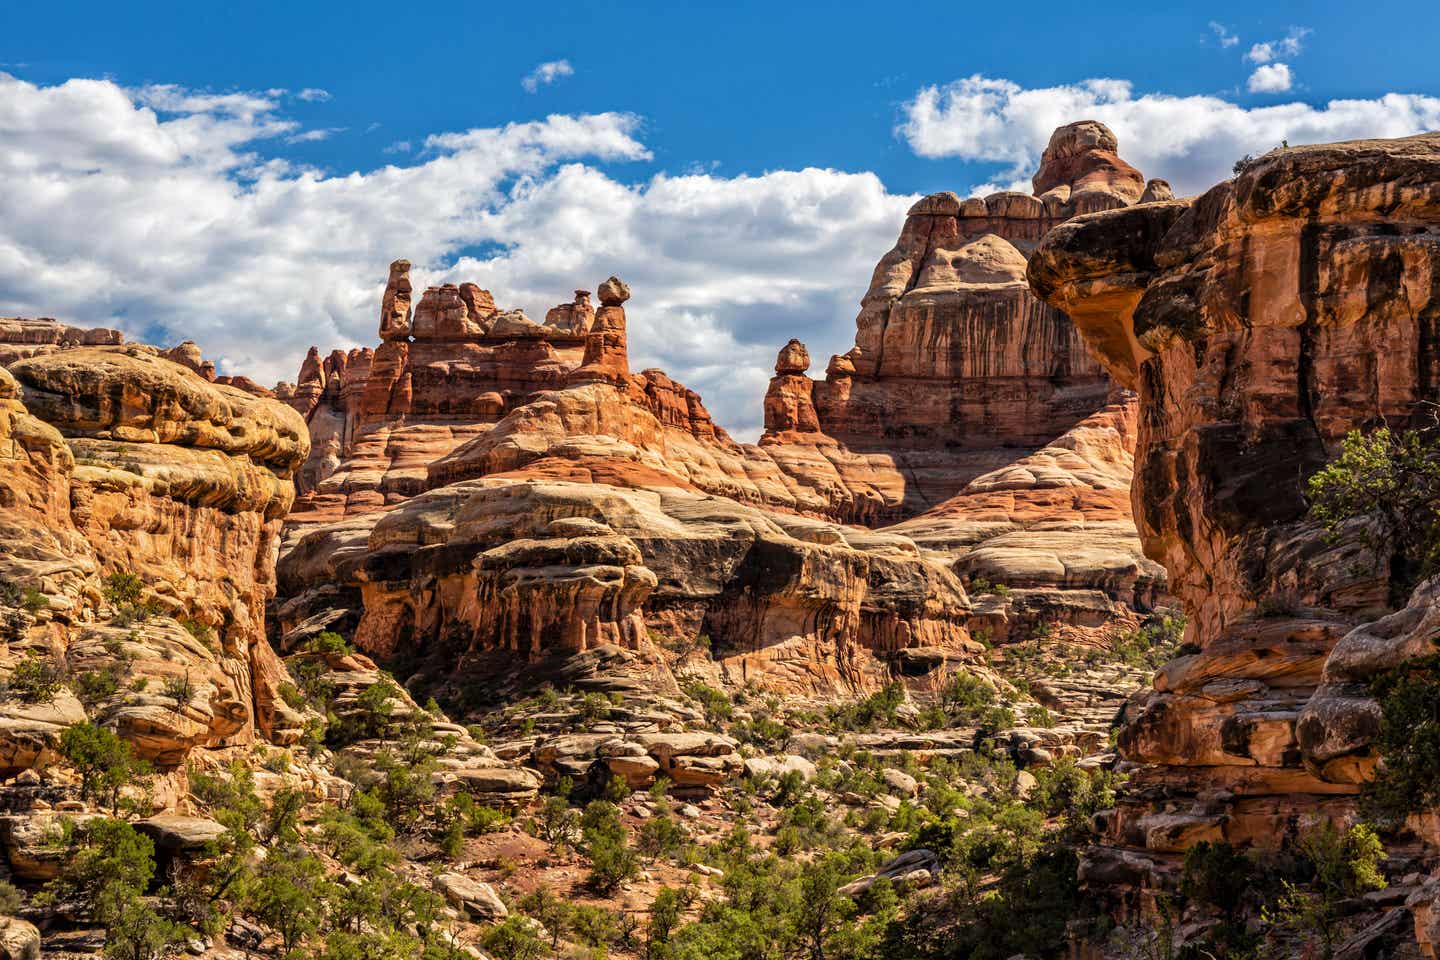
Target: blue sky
241 174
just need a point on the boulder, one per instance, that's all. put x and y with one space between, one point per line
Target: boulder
473 898
19 939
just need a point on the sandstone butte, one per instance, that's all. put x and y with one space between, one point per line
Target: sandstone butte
1259 322
482 483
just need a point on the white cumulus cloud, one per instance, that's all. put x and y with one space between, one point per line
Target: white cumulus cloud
169 213
546 74
1192 141
1289 46
1270 78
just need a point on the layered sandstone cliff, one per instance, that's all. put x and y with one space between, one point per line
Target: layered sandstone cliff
462 401
1259 323
461 390
122 462
956 364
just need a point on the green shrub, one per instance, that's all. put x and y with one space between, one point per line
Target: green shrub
179 688
1408 778
1150 645
202 632
33 601
372 716
716 703
594 707
1392 479
11 899
94 687
108 867
981 586
662 836
612 862
1343 864
328 643
35 678
1217 875
104 761
122 588
877 709
513 939
290 896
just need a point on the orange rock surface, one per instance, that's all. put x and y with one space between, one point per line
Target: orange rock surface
1259 323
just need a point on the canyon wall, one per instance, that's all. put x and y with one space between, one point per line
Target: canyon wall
122 462
1259 323
956 364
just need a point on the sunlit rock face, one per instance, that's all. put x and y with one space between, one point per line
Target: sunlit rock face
988 424
129 462
1259 323
954 357
541 568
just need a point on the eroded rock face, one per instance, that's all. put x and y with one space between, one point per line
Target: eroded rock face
21 338
442 375
1055 527
464 391
133 463
541 568
564 408
1259 323
790 402
953 354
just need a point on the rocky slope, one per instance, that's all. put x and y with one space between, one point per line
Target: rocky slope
1259 323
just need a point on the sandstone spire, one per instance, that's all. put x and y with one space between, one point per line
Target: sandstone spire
606 358
789 407
395 307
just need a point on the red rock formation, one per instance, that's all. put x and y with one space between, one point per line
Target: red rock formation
606 353
1081 170
952 352
1259 322
21 338
789 403
491 398
544 568
1055 527
955 363
479 391
574 317
132 463
395 305
440 376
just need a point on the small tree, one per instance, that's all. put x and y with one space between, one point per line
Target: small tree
822 908
36 678
665 912
290 897
514 939
104 761
1408 779
135 931
612 862
122 588
109 866
1345 864
1391 479
553 912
